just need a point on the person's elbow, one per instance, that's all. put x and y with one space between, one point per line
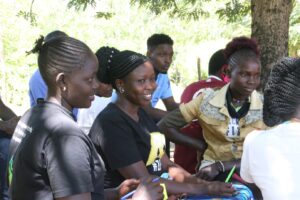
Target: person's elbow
170 103
162 125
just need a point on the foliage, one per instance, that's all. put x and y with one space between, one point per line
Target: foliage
234 10
78 4
188 9
105 15
294 39
30 16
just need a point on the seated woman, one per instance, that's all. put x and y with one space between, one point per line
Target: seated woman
51 157
126 136
226 115
270 157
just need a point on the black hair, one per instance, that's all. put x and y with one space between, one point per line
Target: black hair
241 49
60 54
157 39
216 62
120 64
55 34
103 54
282 92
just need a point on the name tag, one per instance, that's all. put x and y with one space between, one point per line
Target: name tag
233 130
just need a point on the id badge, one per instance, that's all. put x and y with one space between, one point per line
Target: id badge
233 130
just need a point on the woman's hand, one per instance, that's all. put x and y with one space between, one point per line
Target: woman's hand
148 190
127 186
209 172
220 188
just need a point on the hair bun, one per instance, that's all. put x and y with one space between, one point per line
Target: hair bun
240 43
38 45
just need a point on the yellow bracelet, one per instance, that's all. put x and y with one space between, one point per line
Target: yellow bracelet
164 191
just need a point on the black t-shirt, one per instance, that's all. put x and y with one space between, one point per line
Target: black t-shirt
121 141
52 157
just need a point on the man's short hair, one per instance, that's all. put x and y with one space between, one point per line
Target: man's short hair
157 39
216 62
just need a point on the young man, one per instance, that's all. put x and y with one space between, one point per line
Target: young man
160 52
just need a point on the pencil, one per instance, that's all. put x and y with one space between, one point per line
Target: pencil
230 174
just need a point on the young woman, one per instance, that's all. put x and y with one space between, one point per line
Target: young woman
226 115
52 157
270 157
127 137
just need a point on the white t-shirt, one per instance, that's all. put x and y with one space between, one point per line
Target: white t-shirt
271 160
86 117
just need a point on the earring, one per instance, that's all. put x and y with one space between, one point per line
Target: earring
121 90
64 88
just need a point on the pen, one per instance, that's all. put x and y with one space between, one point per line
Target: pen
230 174
133 191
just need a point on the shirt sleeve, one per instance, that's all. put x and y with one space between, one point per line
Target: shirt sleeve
190 111
167 90
118 143
246 157
187 94
37 88
114 96
68 161
173 119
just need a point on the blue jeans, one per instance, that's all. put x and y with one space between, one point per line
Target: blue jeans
4 147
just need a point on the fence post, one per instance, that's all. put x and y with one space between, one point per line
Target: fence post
199 68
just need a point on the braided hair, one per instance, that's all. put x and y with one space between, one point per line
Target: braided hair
157 39
240 50
282 92
55 34
104 55
119 65
59 54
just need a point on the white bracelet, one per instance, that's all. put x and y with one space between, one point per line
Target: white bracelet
222 165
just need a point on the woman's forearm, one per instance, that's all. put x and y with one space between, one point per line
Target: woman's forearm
170 126
111 194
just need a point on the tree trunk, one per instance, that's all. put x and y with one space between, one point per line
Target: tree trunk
270 26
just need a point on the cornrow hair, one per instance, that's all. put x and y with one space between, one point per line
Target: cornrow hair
121 64
241 49
55 34
39 42
157 39
282 92
60 54
105 55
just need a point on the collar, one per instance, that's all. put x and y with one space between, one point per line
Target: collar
214 77
219 100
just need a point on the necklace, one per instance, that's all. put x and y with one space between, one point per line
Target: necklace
237 101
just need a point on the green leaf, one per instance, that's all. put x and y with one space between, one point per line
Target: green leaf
105 15
78 4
